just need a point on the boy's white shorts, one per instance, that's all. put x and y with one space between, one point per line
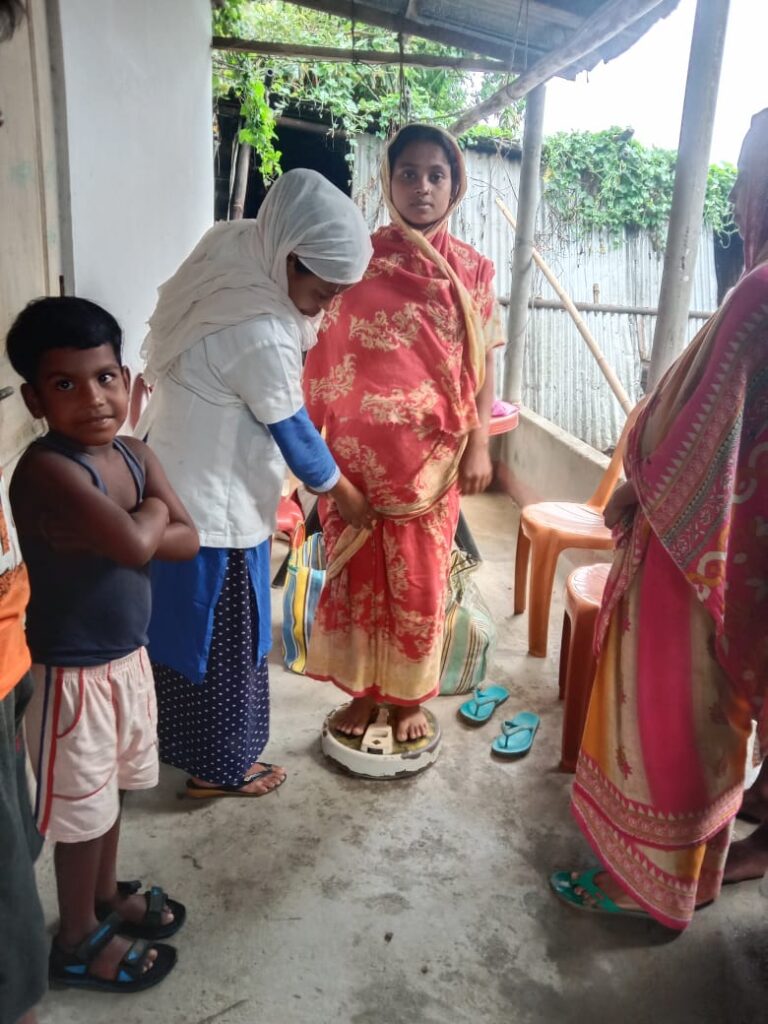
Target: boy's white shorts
91 732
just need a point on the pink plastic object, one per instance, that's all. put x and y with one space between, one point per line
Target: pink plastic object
289 515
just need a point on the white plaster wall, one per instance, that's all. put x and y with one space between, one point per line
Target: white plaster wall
134 93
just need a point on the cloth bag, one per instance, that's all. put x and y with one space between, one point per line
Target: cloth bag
303 584
470 632
468 640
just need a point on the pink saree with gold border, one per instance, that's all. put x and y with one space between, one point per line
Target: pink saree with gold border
682 634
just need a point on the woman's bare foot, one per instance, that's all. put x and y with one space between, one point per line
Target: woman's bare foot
266 783
748 858
277 774
607 884
355 718
412 724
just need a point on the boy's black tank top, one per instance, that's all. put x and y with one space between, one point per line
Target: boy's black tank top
85 609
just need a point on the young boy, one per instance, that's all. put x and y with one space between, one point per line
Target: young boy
91 510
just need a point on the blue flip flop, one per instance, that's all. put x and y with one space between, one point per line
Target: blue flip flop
517 735
564 886
482 704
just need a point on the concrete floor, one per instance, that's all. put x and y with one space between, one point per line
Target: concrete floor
337 900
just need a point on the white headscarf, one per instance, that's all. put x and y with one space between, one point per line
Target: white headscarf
237 270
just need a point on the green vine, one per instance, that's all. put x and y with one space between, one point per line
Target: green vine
259 126
609 181
353 97
605 181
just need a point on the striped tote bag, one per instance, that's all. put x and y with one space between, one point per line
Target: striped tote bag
470 632
303 584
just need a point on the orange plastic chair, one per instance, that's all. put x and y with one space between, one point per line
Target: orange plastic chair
546 529
583 594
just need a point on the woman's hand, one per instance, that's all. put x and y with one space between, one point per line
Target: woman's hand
475 469
623 497
352 504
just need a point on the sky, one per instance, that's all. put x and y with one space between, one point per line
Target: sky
644 87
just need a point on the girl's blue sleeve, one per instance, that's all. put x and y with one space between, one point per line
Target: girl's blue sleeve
306 453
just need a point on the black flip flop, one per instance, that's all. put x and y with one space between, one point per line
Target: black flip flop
73 969
230 789
151 925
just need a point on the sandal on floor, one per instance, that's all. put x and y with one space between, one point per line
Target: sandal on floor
564 887
73 969
482 704
517 735
151 925
227 789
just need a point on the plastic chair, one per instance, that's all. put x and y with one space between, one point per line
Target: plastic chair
289 515
583 594
546 529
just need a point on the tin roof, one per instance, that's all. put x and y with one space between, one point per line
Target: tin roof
517 32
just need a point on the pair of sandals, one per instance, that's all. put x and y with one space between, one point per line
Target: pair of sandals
135 971
517 734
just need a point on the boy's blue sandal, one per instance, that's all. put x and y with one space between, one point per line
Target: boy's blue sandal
516 735
482 704
73 969
151 925
564 886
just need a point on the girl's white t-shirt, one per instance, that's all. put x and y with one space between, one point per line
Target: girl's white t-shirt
209 427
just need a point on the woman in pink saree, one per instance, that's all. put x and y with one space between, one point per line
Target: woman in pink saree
402 384
682 637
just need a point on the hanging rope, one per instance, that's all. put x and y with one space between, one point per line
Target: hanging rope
404 111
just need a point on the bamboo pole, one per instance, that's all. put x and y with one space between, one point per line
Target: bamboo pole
522 258
296 51
685 217
594 348
240 187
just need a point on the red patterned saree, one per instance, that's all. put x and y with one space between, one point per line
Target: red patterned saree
393 380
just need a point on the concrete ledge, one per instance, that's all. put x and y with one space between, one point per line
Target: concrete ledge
539 461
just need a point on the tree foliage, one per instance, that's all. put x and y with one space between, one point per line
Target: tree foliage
353 97
609 181
599 180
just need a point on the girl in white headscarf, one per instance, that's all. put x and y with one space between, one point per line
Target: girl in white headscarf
224 354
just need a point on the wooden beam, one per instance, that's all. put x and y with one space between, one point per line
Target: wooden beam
608 21
603 307
312 127
408 27
289 51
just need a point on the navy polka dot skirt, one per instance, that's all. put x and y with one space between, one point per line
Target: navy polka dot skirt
217 729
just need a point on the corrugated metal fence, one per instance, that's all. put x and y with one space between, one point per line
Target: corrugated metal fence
561 380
